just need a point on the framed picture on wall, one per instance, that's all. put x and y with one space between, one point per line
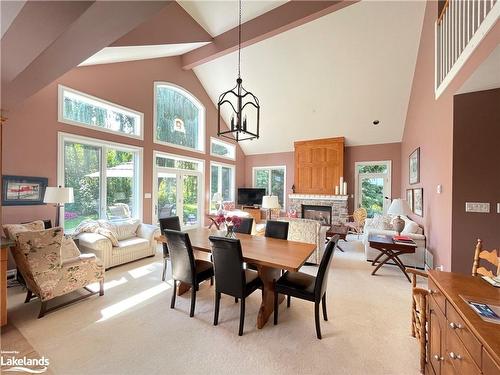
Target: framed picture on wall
409 198
418 201
23 190
414 166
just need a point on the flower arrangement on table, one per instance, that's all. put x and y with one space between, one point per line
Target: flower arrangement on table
231 223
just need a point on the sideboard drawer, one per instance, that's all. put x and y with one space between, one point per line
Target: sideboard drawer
438 296
489 365
460 357
457 324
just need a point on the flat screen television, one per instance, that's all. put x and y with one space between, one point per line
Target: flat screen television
250 196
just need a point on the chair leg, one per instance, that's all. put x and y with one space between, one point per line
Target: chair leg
29 295
242 316
43 308
193 301
323 302
217 306
164 273
288 301
101 287
276 307
174 292
316 318
235 299
212 280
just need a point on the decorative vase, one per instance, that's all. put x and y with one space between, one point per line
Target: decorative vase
398 224
230 231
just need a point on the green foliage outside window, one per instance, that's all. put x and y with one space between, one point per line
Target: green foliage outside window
172 105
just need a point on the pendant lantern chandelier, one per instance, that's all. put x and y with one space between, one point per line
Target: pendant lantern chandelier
237 100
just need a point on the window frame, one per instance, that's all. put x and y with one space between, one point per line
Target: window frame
219 182
105 145
225 144
62 119
201 116
268 188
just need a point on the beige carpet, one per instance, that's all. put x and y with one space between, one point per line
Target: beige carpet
132 330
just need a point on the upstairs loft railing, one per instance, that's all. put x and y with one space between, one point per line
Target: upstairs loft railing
461 26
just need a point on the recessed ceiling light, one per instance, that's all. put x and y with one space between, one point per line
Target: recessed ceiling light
376 122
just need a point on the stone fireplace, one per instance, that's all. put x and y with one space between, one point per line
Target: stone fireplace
336 203
322 214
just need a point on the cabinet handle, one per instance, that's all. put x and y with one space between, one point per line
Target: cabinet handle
438 358
454 356
432 291
455 325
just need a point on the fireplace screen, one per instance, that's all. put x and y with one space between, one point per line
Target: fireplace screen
320 213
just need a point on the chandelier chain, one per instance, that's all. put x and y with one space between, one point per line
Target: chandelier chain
239 41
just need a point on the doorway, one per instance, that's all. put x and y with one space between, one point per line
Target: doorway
373 184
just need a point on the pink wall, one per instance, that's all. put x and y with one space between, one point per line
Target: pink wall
30 135
352 154
429 125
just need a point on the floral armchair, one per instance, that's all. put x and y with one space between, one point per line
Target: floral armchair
52 265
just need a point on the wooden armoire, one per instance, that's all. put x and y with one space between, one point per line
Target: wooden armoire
319 164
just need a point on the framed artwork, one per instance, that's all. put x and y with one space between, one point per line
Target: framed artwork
23 191
409 198
414 166
418 201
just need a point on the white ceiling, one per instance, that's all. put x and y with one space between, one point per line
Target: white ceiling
130 53
486 76
217 17
330 77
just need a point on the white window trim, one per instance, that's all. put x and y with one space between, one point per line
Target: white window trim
138 167
269 186
219 183
202 117
60 115
225 144
201 172
387 163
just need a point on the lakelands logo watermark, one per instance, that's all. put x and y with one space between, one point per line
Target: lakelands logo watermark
10 362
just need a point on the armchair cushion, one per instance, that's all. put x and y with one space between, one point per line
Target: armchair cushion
11 229
69 248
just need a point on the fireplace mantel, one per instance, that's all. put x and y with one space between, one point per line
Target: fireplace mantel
318 197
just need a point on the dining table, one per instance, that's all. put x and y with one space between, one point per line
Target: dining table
269 255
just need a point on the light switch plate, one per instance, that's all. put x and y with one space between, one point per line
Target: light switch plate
480 207
439 189
498 208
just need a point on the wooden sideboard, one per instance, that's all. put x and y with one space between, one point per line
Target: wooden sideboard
4 249
459 341
319 164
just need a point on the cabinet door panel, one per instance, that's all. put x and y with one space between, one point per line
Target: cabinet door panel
436 344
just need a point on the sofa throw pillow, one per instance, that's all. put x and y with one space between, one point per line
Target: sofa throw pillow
11 230
126 229
382 222
228 206
411 227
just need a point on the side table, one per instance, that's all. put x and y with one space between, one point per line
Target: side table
339 230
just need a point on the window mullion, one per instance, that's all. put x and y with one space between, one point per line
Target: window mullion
103 190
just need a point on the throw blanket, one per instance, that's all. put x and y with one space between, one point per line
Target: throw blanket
99 227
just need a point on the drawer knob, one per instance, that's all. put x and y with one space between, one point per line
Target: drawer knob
432 291
455 325
438 357
454 356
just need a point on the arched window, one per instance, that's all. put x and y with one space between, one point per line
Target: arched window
179 118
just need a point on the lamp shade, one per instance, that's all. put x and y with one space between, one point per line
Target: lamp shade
399 207
58 195
217 197
270 201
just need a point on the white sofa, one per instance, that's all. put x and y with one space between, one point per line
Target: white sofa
412 230
309 231
135 240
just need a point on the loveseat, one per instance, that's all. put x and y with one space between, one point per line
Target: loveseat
122 241
309 231
383 225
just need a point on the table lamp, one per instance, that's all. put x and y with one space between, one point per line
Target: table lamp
58 196
217 198
270 202
398 207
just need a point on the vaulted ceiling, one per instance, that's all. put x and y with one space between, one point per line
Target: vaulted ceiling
319 68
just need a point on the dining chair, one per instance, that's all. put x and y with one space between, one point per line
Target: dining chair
185 268
492 259
277 229
171 222
307 287
245 226
230 276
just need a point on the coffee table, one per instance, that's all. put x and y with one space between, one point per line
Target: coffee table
392 251
340 230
